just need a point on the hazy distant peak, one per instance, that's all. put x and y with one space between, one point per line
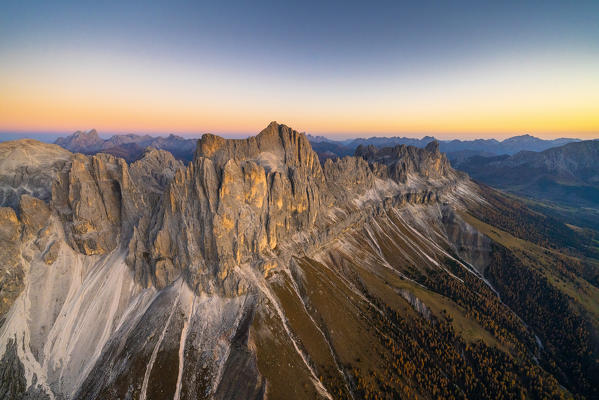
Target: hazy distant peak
522 138
91 132
526 135
317 139
129 146
81 141
328 148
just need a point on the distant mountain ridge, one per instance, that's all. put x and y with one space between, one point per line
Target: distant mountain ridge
567 176
130 147
572 165
509 146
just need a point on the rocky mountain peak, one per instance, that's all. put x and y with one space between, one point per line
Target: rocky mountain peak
433 147
401 161
236 202
275 146
81 141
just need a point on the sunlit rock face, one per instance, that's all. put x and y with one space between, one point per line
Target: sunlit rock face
239 200
112 272
235 202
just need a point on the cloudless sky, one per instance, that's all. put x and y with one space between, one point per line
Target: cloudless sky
451 69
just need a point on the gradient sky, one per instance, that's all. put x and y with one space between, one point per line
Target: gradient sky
451 69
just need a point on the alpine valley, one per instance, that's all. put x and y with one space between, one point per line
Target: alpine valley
259 271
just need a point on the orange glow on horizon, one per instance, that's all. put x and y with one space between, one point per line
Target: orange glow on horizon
128 97
37 115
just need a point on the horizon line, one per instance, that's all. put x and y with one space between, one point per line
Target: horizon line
333 136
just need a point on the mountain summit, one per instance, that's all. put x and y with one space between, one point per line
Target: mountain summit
81 141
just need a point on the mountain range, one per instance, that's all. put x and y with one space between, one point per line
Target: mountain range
259 271
556 177
130 147
453 148
566 176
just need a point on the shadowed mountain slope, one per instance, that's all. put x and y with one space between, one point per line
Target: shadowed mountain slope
563 180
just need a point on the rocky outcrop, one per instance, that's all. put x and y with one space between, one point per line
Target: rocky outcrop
101 198
20 238
12 383
34 215
88 197
29 167
348 177
11 265
471 245
236 201
418 304
402 160
245 201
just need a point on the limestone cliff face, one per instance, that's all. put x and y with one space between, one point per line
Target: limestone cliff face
29 167
250 201
101 199
87 196
402 160
233 204
11 265
253 201
348 177
21 237
270 186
